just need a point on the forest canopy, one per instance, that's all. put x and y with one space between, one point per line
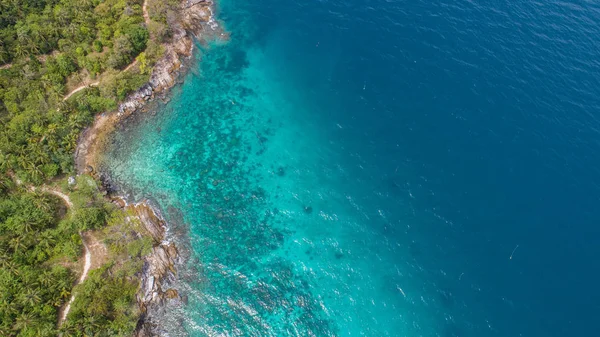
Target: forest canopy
48 50
49 47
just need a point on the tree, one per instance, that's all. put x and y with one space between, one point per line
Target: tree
138 36
121 53
142 62
24 321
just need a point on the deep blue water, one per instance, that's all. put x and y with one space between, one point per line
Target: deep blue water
367 168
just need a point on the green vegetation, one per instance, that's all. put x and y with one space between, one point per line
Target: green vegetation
105 302
47 49
39 247
31 288
54 46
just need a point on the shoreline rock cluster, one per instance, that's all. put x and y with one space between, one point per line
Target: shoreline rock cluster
159 268
194 21
194 17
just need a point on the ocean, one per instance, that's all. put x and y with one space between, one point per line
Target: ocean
381 168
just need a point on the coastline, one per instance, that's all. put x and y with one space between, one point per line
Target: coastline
195 22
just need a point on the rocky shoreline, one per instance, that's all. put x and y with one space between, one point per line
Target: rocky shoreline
194 22
159 268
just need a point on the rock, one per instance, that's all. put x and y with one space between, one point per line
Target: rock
71 181
151 221
190 3
194 19
119 202
149 287
171 293
172 250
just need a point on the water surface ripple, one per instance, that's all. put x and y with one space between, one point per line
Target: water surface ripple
367 168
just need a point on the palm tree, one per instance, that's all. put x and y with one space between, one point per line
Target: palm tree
17 244
24 321
46 279
5 330
4 258
20 50
8 308
34 172
47 241
31 297
92 323
44 330
10 266
64 293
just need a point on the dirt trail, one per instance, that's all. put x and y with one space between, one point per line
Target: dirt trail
86 269
59 194
95 251
145 12
79 88
93 84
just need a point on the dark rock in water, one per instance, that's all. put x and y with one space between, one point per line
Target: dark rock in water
305 284
275 211
308 209
279 237
107 184
280 171
339 255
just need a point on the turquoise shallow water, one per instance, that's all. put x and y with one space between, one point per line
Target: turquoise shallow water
367 169
280 250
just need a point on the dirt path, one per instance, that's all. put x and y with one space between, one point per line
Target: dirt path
87 256
86 269
131 65
79 88
59 194
93 84
145 12
95 252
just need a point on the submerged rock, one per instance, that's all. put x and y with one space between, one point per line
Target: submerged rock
280 171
